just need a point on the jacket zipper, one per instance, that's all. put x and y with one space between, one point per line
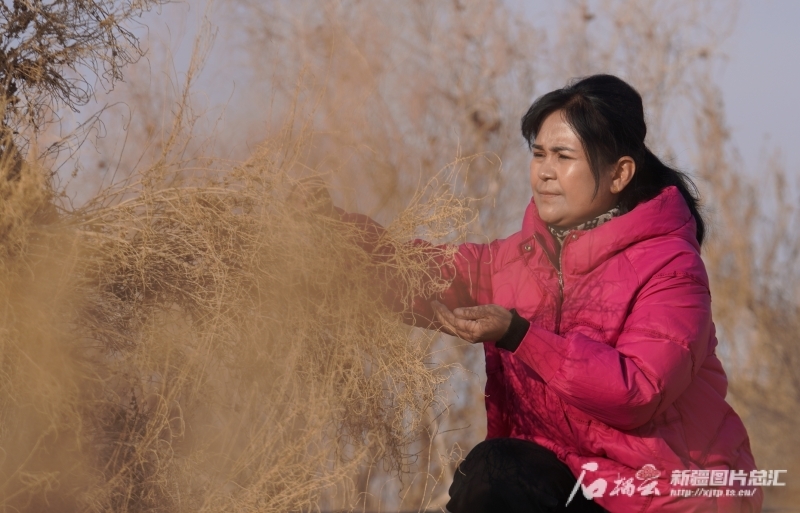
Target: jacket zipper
557 266
560 289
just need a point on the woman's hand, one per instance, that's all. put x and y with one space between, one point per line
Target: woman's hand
474 324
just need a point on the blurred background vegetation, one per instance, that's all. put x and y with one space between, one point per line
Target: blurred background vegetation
391 93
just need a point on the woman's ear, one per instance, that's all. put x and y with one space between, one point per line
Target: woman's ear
622 175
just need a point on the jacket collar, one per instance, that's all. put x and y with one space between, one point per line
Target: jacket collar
584 250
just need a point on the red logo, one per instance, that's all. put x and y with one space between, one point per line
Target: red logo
647 472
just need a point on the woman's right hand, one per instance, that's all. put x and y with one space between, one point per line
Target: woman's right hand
474 324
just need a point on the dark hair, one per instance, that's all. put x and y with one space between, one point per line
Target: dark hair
607 115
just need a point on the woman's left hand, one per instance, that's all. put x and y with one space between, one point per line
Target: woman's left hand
474 324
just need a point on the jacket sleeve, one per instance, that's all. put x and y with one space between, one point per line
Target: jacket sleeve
624 385
495 394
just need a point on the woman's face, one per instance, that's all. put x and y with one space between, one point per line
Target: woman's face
562 181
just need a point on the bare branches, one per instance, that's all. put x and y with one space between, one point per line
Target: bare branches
753 263
198 343
400 89
53 51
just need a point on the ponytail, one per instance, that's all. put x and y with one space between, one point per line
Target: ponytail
652 177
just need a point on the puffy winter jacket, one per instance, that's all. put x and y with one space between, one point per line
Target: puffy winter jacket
618 370
617 373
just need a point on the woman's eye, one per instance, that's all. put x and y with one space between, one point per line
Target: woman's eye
538 155
563 157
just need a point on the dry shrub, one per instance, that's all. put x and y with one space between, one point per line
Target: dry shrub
397 89
752 257
187 343
192 341
38 387
54 53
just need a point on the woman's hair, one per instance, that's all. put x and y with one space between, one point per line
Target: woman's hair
607 115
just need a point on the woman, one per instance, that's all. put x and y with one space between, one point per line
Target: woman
603 388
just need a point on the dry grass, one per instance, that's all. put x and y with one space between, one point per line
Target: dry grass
189 341
192 342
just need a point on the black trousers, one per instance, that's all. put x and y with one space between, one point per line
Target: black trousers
514 476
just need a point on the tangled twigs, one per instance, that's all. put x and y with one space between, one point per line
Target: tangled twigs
229 351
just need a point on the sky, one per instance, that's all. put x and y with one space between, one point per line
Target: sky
761 81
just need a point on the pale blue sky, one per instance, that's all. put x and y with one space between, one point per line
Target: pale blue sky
761 82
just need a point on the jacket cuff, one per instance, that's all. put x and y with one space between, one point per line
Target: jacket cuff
543 351
515 334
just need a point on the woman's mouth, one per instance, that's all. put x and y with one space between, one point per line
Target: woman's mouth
548 194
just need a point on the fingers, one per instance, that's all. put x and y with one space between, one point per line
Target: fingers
476 323
445 317
473 312
462 328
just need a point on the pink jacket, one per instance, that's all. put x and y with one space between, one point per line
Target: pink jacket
618 373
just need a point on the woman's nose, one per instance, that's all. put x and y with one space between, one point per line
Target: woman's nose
545 171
